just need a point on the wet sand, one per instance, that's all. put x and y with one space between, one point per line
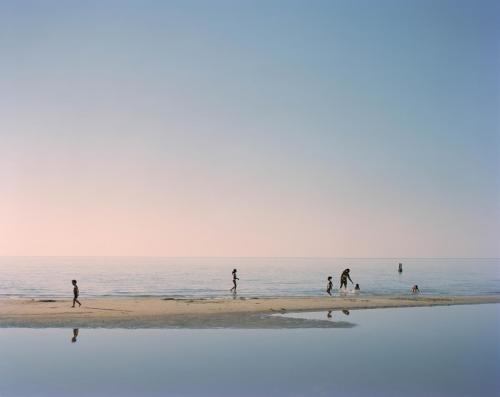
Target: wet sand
202 313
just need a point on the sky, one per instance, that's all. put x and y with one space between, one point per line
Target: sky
250 128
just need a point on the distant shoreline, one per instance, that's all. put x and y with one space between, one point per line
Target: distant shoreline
126 312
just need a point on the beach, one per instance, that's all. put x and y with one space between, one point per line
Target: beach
200 313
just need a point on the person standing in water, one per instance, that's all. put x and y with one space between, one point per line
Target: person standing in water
343 278
76 293
234 281
329 286
400 268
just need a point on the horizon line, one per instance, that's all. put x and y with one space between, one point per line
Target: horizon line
244 257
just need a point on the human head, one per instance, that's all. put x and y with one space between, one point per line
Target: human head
329 277
357 286
347 270
73 282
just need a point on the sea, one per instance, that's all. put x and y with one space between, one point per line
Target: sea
451 351
50 277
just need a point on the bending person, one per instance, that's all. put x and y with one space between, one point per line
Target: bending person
343 278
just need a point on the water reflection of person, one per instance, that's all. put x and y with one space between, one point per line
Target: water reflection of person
329 314
75 335
346 312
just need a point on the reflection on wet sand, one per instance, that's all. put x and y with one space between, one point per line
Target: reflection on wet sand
75 335
315 319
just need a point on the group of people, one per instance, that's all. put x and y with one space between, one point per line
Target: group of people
343 282
329 286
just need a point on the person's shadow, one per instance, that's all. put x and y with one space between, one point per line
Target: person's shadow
75 335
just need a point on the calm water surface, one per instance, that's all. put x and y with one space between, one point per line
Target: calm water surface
211 277
439 351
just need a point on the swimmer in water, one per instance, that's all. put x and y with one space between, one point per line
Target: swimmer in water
329 286
400 268
415 289
234 281
76 293
356 288
343 278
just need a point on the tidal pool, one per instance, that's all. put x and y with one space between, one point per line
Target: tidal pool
432 351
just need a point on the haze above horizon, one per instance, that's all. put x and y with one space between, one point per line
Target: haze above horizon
250 129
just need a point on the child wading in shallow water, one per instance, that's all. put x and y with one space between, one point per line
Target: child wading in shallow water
234 281
329 286
76 292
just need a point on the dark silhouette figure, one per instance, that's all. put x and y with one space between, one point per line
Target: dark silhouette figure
356 288
75 335
415 289
343 278
400 268
329 314
329 286
346 312
235 277
76 293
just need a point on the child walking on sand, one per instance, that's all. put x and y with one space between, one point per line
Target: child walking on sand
329 286
234 281
76 292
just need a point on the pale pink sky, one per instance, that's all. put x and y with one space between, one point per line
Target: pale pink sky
250 129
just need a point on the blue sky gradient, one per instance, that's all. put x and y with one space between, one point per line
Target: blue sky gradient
281 128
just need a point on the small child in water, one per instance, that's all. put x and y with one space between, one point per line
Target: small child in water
415 289
76 293
356 288
329 286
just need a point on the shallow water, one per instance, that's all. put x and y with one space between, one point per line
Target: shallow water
438 351
211 277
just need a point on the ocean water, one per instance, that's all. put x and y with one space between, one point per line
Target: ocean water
265 277
411 352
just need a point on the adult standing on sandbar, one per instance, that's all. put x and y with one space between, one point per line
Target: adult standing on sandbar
400 268
235 277
343 278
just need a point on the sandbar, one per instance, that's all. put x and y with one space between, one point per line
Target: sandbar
203 313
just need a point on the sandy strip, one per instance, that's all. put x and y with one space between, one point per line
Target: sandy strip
200 313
